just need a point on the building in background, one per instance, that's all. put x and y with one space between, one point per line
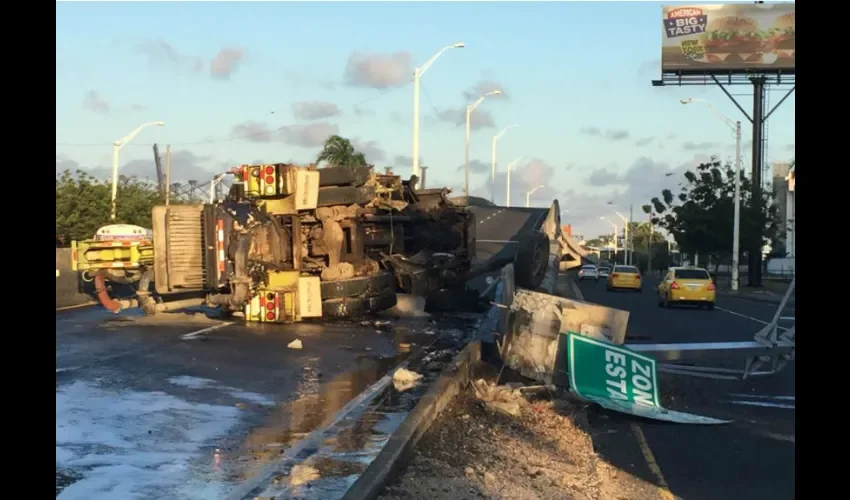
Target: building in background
783 196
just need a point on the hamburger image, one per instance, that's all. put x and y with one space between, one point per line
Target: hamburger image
732 39
781 38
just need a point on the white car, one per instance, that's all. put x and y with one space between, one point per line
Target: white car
588 273
604 271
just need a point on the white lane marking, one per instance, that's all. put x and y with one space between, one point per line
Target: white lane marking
748 317
195 334
495 241
763 404
763 396
67 369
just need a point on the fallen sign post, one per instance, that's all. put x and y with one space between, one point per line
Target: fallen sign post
619 379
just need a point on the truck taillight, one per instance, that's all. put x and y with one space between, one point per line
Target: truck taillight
674 286
219 245
615 275
711 286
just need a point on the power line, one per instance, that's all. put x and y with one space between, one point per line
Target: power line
236 137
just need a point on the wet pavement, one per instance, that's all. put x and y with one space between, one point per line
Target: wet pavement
150 408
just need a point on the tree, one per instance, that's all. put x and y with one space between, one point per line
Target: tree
339 151
701 216
83 204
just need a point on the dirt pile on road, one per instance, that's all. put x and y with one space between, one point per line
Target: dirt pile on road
476 451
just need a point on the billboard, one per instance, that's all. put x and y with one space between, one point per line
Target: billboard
729 37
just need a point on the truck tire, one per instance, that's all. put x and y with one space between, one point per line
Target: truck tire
343 176
357 287
345 195
531 260
350 307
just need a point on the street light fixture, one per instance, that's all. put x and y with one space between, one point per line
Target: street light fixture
116 148
493 161
628 237
736 234
508 183
528 195
615 236
417 74
469 109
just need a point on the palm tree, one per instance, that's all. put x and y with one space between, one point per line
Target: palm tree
338 151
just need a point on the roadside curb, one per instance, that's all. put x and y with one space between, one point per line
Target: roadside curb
384 467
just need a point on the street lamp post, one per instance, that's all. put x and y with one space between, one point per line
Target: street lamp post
493 161
736 225
628 236
615 237
528 195
417 74
116 148
508 181
469 109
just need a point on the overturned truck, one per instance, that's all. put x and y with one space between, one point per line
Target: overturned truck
291 242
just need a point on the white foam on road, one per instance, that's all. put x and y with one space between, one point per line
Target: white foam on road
191 382
205 383
133 445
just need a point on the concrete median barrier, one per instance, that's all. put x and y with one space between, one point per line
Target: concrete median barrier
67 282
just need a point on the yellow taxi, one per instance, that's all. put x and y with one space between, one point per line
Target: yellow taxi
686 285
624 278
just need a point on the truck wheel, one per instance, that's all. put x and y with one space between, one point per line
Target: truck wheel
357 287
350 307
345 195
531 260
343 176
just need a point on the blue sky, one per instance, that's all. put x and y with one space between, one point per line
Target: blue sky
216 72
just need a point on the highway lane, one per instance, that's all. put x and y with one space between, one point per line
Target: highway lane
753 457
148 408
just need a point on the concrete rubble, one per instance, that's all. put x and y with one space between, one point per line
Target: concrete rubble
404 379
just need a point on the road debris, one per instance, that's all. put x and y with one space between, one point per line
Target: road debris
502 399
404 379
295 344
469 452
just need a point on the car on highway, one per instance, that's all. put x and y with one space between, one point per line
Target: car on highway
624 278
604 272
686 285
588 272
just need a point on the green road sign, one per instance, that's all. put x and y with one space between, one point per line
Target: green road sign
601 370
620 380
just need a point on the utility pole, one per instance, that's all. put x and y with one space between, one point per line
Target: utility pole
158 164
424 171
649 247
167 174
736 236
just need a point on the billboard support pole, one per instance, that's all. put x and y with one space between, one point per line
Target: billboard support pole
754 257
786 96
731 98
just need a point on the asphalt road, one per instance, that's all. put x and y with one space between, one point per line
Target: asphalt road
752 457
165 407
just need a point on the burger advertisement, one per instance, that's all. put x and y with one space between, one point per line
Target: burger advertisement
731 37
